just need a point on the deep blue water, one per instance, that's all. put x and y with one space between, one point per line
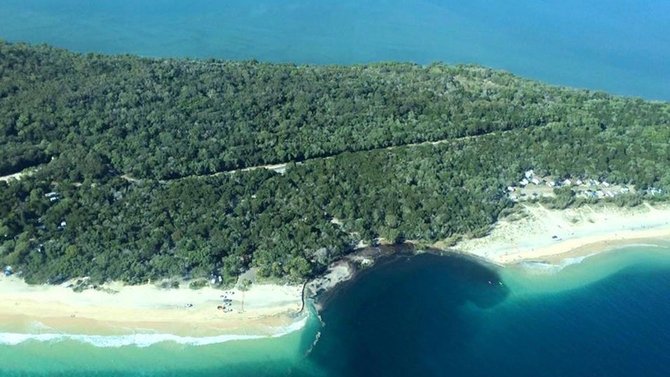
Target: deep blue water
621 46
439 316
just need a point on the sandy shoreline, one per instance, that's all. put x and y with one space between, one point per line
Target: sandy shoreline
263 310
533 234
538 233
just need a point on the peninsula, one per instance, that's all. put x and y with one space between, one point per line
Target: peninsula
135 172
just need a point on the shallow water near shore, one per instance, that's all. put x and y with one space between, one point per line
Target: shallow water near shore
621 46
430 315
67 357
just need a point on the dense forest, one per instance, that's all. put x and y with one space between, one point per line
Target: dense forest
121 153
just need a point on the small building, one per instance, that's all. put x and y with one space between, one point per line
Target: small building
8 271
654 191
529 174
523 182
535 181
590 194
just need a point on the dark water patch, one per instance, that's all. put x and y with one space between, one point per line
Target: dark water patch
395 318
431 315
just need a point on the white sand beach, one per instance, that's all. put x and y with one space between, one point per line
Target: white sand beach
533 233
262 310
538 233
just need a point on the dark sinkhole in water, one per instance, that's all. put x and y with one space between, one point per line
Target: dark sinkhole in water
405 316
431 315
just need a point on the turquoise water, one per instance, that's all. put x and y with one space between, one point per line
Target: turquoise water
430 316
265 357
621 46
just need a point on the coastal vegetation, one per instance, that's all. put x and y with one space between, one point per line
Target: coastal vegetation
150 168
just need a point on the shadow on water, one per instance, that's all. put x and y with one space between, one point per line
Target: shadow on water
394 318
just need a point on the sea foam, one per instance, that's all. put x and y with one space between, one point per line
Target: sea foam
143 339
545 267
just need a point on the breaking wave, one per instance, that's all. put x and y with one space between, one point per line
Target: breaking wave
545 267
142 340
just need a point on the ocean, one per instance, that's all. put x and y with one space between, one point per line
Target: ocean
450 316
620 46
429 315
109 356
